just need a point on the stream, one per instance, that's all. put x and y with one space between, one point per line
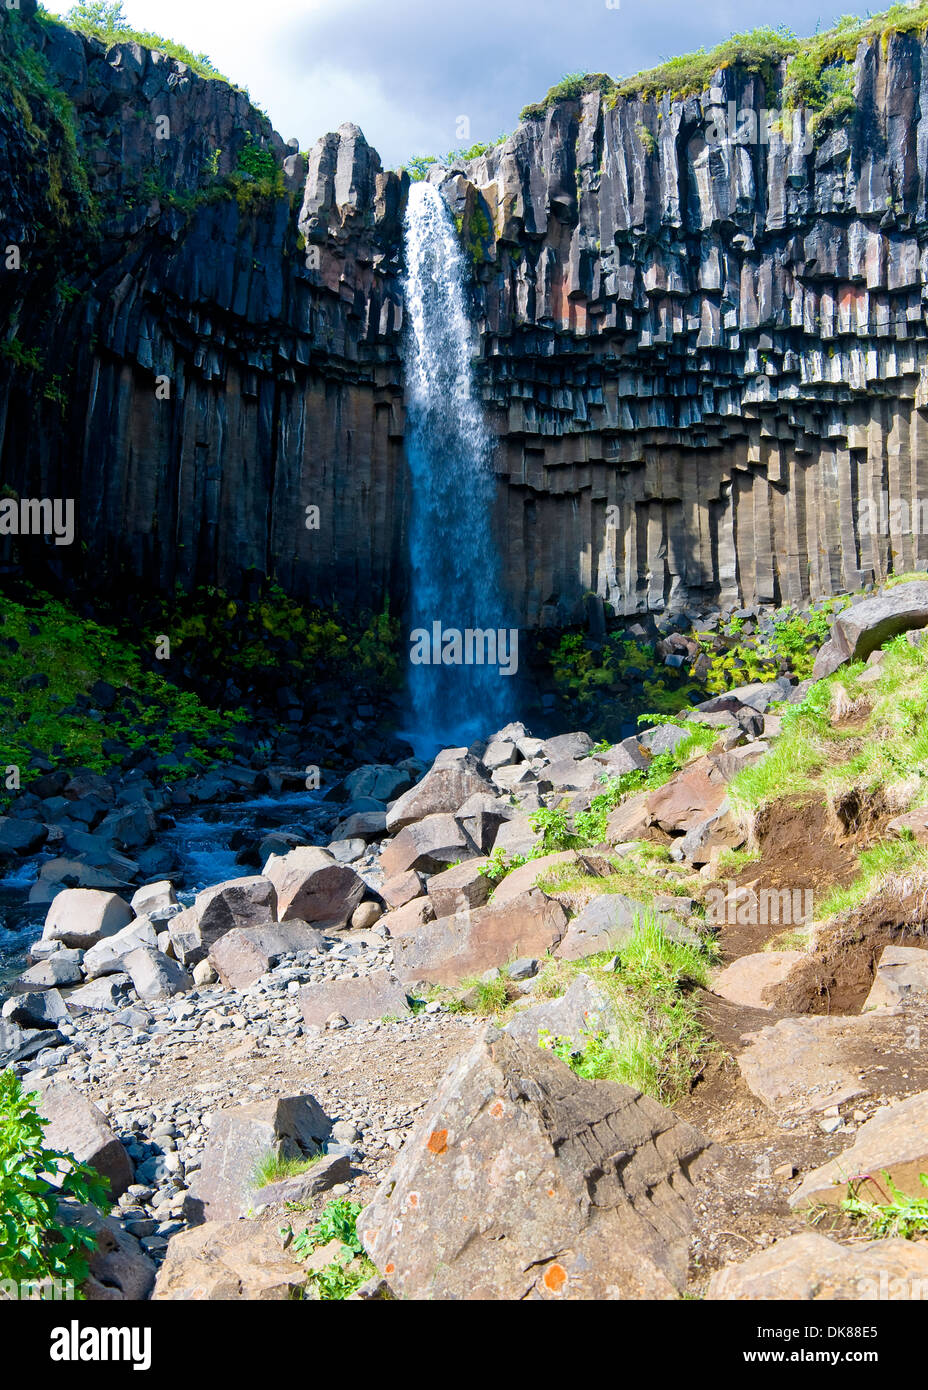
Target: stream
201 839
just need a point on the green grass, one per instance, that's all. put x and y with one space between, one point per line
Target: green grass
104 19
491 997
901 1216
658 1043
274 1168
876 865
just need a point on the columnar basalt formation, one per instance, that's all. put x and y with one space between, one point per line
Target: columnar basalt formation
706 361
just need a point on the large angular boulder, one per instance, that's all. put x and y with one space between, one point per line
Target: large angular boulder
481 816
239 1140
583 1008
229 1260
801 1066
238 902
61 969
119 1271
381 781
688 799
322 1174
400 889
428 846
453 777
860 629
368 996
475 939
811 1268
564 746
154 975
21 836
77 1127
893 1143
36 1009
108 994
522 1181
108 956
312 886
750 979
526 876
154 897
19 1044
609 921
241 956
462 885
901 979
83 916
410 917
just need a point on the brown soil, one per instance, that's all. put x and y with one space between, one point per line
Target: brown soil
837 978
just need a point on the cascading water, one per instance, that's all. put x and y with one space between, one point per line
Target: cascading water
455 586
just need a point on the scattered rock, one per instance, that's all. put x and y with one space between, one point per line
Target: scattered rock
811 1268
229 1260
475 939
893 1142
369 996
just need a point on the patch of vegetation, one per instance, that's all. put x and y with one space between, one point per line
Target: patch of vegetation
418 166
790 642
488 998
273 1167
34 1244
51 659
658 1043
900 1216
105 19
351 1267
571 87
586 672
887 859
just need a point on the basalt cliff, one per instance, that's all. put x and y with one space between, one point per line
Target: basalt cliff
705 359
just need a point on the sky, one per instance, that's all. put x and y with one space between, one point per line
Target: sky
428 76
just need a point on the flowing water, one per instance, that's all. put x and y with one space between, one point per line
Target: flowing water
454 563
205 841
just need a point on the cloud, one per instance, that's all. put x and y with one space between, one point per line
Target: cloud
406 71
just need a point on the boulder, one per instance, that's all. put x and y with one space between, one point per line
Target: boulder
410 917
522 1181
239 1140
21 836
476 939
901 979
381 781
464 885
893 1143
366 997
366 916
608 922
630 820
347 851
429 846
720 830
229 1260
43 1008
313 887
400 889
108 956
108 993
241 956
322 1174
563 746
914 823
453 777
83 916
748 980
688 799
118 1269
811 1268
238 902
19 1044
187 941
481 817
526 876
663 738
801 1066
363 825
516 835
500 753
153 897
859 630
77 1127
59 970
582 1009
154 975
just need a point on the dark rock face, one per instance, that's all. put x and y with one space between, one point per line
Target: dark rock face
706 363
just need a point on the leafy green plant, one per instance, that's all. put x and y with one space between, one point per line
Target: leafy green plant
34 1244
105 19
348 1271
273 1167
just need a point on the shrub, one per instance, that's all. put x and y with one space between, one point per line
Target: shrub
34 1244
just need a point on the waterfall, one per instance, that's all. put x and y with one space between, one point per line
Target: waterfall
455 584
